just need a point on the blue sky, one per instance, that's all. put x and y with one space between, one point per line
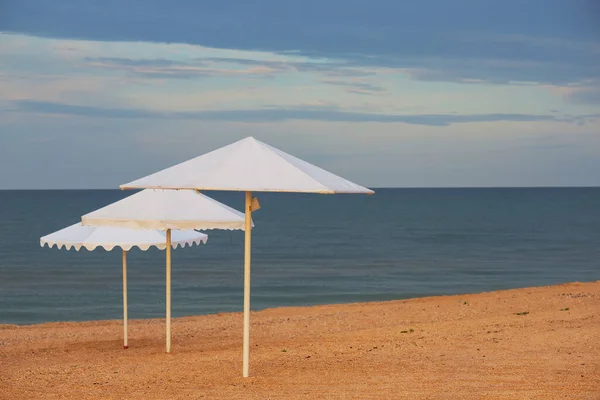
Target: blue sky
386 93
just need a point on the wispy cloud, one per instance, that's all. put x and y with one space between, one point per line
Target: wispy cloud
320 65
163 68
229 66
357 86
327 114
129 62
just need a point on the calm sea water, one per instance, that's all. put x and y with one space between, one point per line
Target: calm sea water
307 249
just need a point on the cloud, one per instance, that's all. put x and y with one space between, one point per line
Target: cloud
326 67
164 68
357 86
326 114
546 41
129 62
222 66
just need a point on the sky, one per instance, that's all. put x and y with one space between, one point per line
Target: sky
386 93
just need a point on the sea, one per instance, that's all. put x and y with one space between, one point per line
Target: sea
307 249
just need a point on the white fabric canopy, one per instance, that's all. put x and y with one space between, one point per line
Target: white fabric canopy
166 209
248 165
77 236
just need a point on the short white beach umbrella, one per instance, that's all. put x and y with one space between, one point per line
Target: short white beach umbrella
248 166
166 210
77 236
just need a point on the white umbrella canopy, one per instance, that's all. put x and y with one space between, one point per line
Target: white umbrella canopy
166 209
77 236
248 166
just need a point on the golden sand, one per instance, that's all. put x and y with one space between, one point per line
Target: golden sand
533 343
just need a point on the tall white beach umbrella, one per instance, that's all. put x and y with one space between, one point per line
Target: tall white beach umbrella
77 236
166 210
248 166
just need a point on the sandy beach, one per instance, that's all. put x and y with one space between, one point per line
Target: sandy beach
532 343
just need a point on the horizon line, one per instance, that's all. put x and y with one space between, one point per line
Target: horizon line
371 187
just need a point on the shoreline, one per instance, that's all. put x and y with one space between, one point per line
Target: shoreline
357 303
525 343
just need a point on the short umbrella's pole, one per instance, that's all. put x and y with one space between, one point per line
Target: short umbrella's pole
125 345
168 251
247 247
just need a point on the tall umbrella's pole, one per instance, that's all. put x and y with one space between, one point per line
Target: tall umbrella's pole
168 251
125 345
247 247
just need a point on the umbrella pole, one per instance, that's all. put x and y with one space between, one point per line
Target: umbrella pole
247 247
125 345
168 251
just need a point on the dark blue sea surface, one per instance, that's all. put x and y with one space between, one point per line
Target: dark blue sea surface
307 249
